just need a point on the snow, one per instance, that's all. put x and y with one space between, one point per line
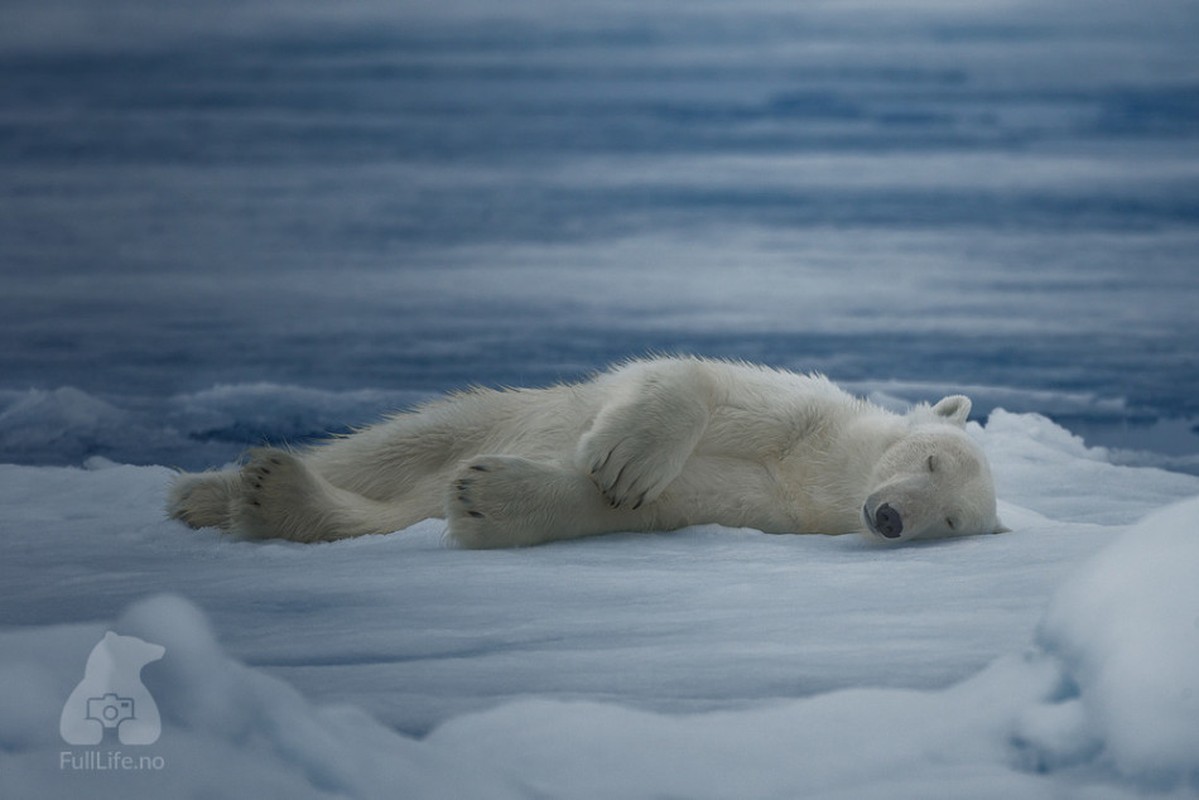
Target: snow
1126 630
1058 660
232 731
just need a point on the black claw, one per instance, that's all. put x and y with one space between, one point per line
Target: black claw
616 480
475 514
254 502
276 461
266 471
257 485
462 499
479 468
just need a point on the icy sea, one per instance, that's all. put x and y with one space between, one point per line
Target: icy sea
228 223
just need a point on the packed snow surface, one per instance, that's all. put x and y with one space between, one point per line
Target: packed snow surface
1061 659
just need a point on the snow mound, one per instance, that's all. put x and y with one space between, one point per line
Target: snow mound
228 730
66 421
1041 466
1126 631
881 743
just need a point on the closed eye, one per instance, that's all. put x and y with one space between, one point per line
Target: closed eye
949 522
932 463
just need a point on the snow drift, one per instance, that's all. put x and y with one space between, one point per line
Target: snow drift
1125 633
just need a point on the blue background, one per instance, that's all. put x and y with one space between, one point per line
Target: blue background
230 223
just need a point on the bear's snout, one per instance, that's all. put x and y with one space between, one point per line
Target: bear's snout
885 521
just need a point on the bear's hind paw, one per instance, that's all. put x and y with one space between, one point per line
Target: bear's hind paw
501 501
280 498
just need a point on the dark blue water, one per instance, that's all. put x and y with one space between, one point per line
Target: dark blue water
217 231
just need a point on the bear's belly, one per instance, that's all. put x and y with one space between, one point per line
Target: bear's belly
727 491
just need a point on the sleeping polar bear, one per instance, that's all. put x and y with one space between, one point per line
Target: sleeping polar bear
650 445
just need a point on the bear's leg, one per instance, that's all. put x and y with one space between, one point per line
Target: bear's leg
509 501
639 443
411 455
204 500
282 498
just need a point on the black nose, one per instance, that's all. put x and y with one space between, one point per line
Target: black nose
888 522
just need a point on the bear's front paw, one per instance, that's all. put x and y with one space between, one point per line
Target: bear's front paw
632 469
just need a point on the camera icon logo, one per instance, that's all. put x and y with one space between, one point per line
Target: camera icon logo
111 700
110 710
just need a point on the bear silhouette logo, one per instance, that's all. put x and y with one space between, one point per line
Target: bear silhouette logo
111 695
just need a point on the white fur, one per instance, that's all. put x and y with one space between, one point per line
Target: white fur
650 445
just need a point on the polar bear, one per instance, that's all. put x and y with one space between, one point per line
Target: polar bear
653 444
112 695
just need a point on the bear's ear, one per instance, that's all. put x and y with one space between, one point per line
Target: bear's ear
955 409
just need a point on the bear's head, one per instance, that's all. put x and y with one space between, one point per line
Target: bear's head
934 481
